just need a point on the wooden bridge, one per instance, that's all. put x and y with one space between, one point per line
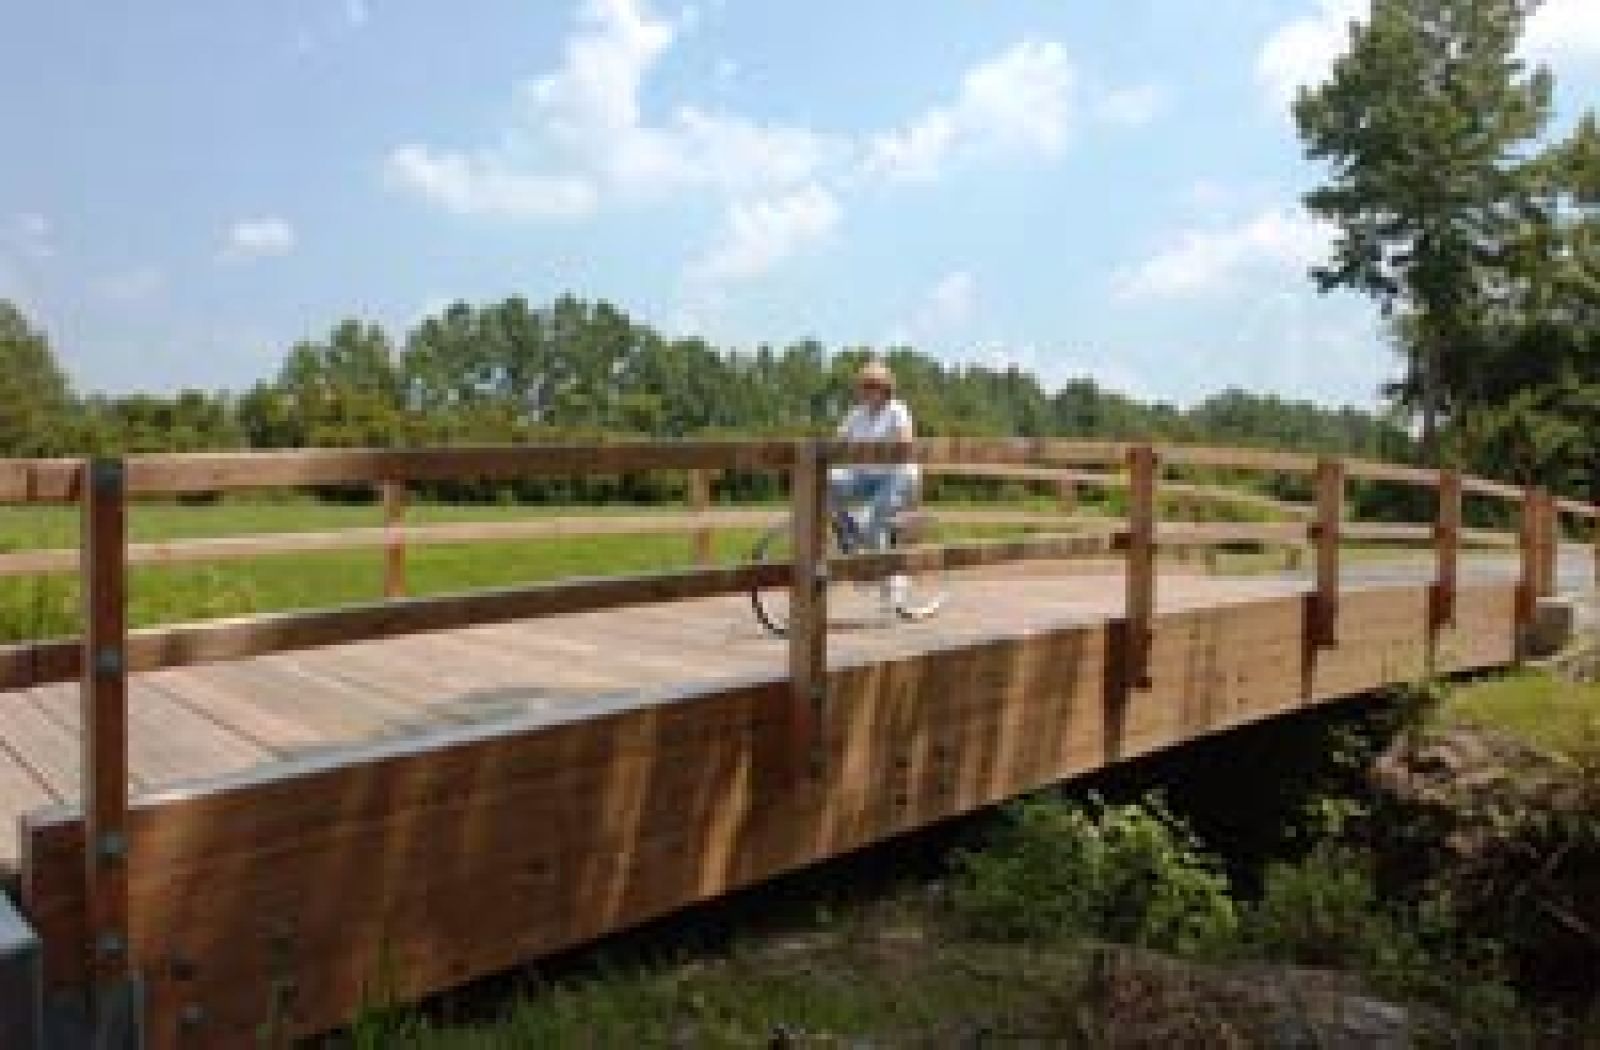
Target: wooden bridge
259 824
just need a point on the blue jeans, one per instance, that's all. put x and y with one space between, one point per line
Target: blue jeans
884 493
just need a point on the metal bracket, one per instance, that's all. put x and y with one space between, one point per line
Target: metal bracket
109 661
106 475
110 945
112 847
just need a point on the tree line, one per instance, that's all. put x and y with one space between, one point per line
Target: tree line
511 372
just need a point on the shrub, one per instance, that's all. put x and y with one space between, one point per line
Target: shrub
1130 873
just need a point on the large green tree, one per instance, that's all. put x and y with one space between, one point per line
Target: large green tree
35 397
1425 126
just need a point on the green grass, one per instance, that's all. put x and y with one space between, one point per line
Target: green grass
33 607
898 983
1536 707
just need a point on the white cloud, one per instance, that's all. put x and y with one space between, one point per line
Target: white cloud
758 234
1132 107
484 185
1302 52
356 13
1565 30
1203 262
258 238
582 136
1018 101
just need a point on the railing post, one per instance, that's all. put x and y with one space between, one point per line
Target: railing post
1066 495
700 503
1447 547
1140 572
395 501
104 700
1528 547
808 607
1549 543
1330 517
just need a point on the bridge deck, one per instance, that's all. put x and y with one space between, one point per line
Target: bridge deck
199 722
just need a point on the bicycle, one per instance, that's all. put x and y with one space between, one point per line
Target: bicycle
921 595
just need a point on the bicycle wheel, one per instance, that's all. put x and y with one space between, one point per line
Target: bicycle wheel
771 604
920 593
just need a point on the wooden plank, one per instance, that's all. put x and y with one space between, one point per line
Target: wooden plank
1389 532
45 744
395 498
1330 486
1065 477
105 722
1140 570
1577 508
1207 533
1488 538
1368 470
40 480
1447 547
172 474
1497 489
1238 459
808 614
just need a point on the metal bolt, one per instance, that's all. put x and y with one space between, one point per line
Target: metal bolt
193 1015
106 474
110 945
108 661
111 847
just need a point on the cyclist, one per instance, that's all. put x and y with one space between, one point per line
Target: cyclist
883 491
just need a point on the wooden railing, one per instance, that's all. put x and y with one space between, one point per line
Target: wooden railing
107 652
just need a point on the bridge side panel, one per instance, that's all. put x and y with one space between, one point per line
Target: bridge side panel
288 899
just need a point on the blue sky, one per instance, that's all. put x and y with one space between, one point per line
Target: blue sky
1082 188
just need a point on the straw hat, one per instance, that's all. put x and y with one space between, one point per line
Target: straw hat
875 373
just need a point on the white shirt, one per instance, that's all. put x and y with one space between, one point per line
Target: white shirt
891 421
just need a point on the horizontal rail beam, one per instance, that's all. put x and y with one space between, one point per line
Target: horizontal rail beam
1208 534
1103 480
1237 459
1496 489
40 480
1389 532
975 554
1370 470
211 472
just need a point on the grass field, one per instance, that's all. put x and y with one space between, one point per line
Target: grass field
1545 711
33 607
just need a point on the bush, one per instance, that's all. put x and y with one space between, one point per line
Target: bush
1129 873
1326 910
